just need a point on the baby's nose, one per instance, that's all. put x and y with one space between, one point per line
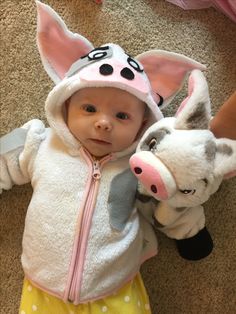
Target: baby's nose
103 124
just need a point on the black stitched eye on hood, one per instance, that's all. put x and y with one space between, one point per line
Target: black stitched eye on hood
93 56
97 53
135 65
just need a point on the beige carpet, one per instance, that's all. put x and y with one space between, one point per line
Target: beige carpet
175 286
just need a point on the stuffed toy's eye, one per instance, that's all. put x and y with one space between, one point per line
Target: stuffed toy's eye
152 144
188 191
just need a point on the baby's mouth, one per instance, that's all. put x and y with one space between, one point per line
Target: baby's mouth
101 142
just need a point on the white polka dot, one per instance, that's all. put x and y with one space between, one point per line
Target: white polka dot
139 304
29 288
34 307
104 309
127 298
147 307
22 312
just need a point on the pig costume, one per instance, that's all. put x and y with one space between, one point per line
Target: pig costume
82 229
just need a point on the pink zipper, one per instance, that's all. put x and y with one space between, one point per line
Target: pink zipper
73 289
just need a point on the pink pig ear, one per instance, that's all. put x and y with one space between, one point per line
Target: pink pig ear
195 111
167 71
59 48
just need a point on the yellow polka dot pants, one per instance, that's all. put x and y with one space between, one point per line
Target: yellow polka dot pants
131 299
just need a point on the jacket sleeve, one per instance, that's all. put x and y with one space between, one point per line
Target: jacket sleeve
17 153
187 227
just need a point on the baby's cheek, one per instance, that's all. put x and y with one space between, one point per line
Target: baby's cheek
74 129
127 139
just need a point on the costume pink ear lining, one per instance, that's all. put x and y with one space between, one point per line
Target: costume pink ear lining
190 92
166 71
59 48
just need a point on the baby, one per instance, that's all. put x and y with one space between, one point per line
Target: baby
84 240
105 120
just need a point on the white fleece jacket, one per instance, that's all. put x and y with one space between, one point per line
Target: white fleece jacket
75 244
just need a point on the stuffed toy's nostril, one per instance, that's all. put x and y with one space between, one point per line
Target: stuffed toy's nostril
138 170
154 188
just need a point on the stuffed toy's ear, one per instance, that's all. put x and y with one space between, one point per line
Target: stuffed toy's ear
167 71
59 48
195 111
225 159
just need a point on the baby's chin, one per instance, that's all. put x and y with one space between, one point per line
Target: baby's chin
99 150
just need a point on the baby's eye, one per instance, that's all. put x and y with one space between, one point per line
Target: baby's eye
122 116
89 108
188 191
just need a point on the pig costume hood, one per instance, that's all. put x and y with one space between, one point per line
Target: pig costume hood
73 63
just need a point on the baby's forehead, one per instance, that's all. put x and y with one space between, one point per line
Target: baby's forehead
112 95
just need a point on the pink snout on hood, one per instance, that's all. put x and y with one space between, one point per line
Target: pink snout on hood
153 174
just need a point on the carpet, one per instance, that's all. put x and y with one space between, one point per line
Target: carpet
175 286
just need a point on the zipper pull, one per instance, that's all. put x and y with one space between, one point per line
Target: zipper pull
96 170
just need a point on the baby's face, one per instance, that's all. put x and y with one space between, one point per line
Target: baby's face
105 119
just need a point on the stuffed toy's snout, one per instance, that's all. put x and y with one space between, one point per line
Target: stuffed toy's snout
156 178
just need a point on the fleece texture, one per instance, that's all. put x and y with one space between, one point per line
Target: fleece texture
61 218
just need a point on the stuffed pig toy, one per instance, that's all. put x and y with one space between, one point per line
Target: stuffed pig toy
180 163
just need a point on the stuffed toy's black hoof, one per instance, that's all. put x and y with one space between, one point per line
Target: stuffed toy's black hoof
196 247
